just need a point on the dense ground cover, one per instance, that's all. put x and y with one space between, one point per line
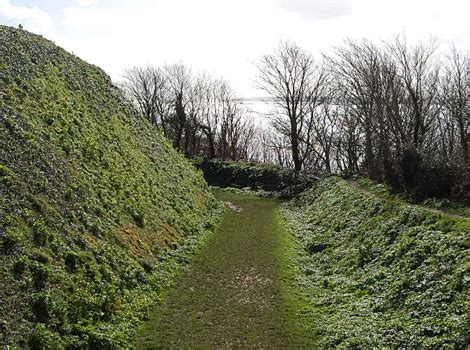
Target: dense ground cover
97 211
239 291
380 272
443 205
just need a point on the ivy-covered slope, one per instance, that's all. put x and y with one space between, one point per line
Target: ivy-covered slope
97 211
379 272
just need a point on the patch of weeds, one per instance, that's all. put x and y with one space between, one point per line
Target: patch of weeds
40 233
10 240
139 217
42 338
40 274
19 266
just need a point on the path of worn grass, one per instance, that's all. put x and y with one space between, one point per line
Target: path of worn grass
238 291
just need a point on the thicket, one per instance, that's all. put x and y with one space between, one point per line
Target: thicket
201 115
278 181
395 112
379 272
97 211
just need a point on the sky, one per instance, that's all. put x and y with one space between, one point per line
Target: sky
227 37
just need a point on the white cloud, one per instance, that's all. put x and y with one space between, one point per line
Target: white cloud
318 9
86 2
226 36
32 18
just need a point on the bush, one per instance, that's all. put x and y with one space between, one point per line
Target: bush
19 266
10 240
50 309
71 261
40 273
285 181
40 233
139 218
42 338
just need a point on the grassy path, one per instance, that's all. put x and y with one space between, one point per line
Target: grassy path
238 291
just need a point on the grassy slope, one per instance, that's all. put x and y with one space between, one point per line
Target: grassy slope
443 205
381 272
97 211
238 291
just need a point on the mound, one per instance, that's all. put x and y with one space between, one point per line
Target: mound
379 272
97 211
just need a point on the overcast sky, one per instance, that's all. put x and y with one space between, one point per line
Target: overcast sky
225 37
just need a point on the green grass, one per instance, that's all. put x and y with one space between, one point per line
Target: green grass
239 291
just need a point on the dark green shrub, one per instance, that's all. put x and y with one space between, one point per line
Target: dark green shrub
40 233
287 182
41 306
146 264
40 275
42 338
10 240
71 261
139 218
49 308
19 266
316 248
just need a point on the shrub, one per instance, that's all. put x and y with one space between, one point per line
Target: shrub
71 261
19 266
139 218
40 233
42 338
41 306
49 308
146 264
10 240
285 181
40 273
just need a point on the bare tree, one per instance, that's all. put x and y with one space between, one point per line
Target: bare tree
179 78
420 77
148 88
356 68
455 99
286 75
